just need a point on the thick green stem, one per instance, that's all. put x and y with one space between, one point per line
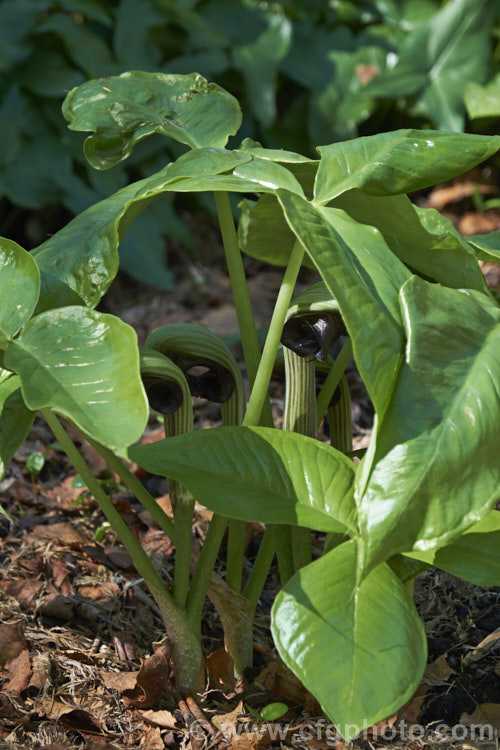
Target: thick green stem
340 437
186 649
232 414
138 489
332 380
299 416
260 569
183 509
244 312
259 390
203 573
340 419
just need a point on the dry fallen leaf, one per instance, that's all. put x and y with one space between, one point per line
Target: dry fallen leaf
437 672
220 667
476 223
441 196
12 643
70 716
152 739
151 681
163 718
484 713
281 684
227 723
119 680
60 533
19 670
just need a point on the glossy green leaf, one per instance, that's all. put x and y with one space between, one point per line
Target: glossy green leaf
435 250
436 471
81 260
19 288
123 110
360 651
483 101
474 556
263 232
15 420
364 277
268 175
84 365
486 246
258 474
398 162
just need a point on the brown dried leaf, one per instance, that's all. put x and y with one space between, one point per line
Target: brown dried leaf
476 223
441 196
281 684
227 723
484 713
152 739
119 680
61 577
104 594
152 680
64 495
411 711
163 719
491 273
437 672
12 643
19 670
60 533
69 716
25 591
220 667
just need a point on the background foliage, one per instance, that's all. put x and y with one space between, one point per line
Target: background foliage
305 73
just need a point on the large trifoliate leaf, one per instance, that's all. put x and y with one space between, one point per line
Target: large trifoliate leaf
15 420
398 162
84 365
364 277
19 288
433 249
80 261
474 556
436 471
259 474
123 110
360 651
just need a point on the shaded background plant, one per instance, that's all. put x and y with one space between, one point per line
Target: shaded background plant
306 73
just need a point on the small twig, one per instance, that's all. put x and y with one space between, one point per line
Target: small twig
200 717
191 723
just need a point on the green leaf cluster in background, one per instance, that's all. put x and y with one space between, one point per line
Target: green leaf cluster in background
304 73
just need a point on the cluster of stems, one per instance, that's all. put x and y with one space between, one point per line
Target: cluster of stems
182 609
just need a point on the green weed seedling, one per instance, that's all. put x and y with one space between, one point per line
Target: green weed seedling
406 293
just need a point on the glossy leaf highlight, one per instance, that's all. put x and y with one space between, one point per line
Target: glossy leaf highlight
84 365
360 651
258 474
